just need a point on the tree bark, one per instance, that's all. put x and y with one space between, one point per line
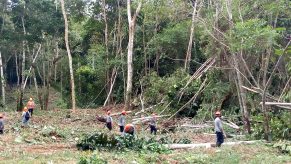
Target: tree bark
2 81
107 81
17 69
131 26
69 56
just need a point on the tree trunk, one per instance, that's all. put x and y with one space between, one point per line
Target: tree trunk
107 81
112 82
20 101
37 91
30 68
2 81
267 134
190 44
57 55
17 69
131 26
69 56
242 94
47 90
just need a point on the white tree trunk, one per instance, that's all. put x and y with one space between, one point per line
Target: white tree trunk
69 56
131 30
189 50
2 80
17 69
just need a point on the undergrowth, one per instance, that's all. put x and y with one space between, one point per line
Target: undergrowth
105 141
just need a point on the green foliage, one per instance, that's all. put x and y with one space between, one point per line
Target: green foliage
253 34
214 94
97 140
93 159
283 146
168 88
48 131
279 125
168 140
105 141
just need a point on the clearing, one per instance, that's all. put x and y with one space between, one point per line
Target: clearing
52 138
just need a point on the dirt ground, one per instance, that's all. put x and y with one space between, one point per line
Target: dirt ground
64 129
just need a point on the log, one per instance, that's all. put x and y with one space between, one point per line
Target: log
231 124
228 124
117 114
206 145
276 103
144 118
196 126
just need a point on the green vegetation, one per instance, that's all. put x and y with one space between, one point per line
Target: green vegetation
195 56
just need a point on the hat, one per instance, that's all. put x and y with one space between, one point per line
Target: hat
217 113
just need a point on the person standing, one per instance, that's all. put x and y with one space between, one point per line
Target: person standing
153 124
121 121
109 121
218 129
30 105
25 116
1 123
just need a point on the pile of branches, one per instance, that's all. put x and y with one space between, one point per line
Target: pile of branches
105 141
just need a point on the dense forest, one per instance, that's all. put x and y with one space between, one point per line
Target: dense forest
187 58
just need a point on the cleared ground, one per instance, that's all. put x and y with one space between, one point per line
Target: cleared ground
52 136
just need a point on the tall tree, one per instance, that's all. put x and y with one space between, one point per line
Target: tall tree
131 30
69 56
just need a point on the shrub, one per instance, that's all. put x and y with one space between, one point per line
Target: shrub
104 141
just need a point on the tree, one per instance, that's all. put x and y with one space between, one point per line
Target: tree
131 30
69 56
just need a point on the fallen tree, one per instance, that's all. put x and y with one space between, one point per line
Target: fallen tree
206 145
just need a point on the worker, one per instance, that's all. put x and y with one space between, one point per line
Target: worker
129 129
218 129
30 105
153 124
121 121
109 120
1 123
25 116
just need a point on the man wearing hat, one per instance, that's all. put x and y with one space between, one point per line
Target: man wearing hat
109 120
218 129
121 121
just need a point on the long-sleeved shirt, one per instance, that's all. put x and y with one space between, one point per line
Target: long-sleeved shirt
1 123
30 105
121 120
108 119
217 124
153 121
